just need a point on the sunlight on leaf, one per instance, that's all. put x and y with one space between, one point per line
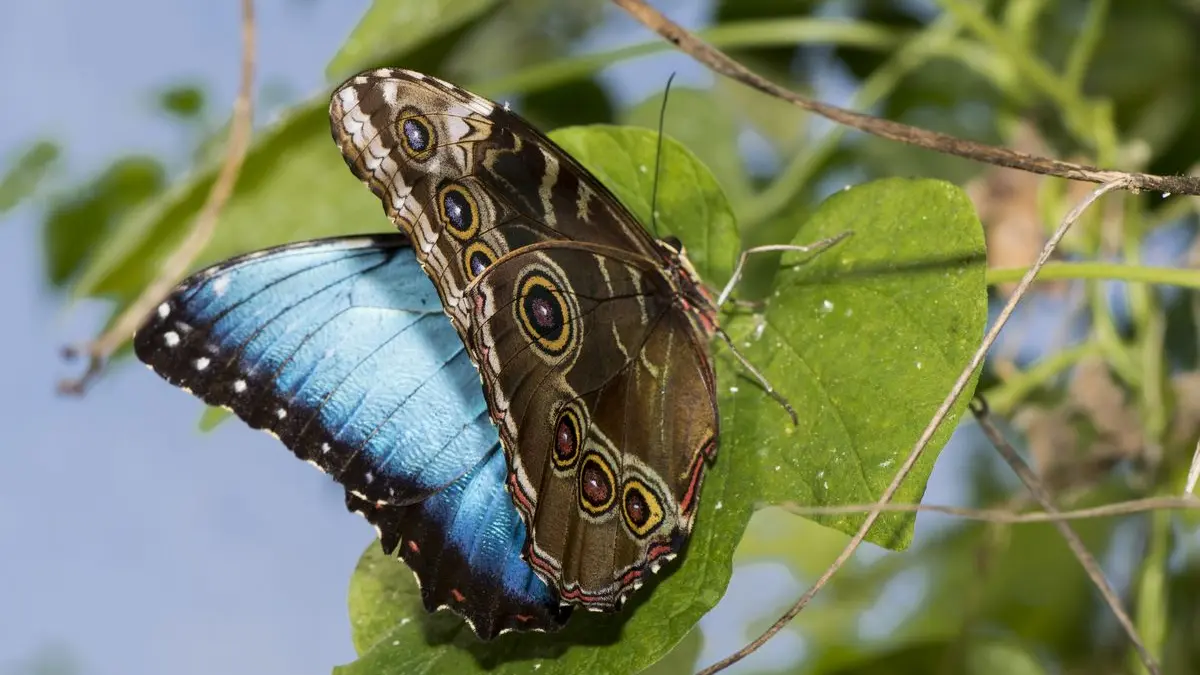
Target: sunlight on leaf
212 417
864 340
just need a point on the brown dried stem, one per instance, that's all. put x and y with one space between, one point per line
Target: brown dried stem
1007 516
176 265
1046 500
720 63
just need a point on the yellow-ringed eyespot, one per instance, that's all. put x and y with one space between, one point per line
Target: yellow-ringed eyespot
568 437
543 313
418 138
641 507
476 258
458 211
597 486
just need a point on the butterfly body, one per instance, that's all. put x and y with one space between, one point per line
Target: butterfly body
591 336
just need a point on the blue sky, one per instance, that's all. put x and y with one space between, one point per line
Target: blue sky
125 537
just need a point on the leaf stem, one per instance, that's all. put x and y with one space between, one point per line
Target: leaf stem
1003 398
771 33
933 41
1109 271
1084 46
1151 612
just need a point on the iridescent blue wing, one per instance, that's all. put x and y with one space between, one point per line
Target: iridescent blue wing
483 575
340 347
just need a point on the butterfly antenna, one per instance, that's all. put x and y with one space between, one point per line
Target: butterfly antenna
662 116
762 380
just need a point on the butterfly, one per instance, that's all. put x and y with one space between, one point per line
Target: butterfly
590 335
340 348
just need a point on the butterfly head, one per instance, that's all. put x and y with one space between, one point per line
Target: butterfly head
692 292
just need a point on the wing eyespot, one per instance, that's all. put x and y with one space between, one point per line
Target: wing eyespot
417 135
641 508
569 433
544 314
477 257
458 211
597 484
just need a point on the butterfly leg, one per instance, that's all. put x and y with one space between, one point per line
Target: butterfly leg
815 247
753 306
762 380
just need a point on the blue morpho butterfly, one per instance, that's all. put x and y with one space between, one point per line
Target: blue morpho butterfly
341 349
590 335
576 470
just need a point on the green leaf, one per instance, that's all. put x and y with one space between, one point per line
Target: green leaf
79 222
705 124
691 204
864 340
293 185
26 173
212 417
396 26
182 101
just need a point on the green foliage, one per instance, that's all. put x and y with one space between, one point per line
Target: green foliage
908 285
690 204
77 225
27 172
184 101
863 339
397 26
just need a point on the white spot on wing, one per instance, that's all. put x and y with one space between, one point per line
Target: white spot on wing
281 413
164 310
220 285
202 363
171 338
239 386
390 90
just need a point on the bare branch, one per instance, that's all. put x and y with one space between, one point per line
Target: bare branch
1044 498
176 265
1006 516
720 63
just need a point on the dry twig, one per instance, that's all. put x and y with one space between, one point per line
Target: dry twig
1044 498
1008 516
720 63
99 350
